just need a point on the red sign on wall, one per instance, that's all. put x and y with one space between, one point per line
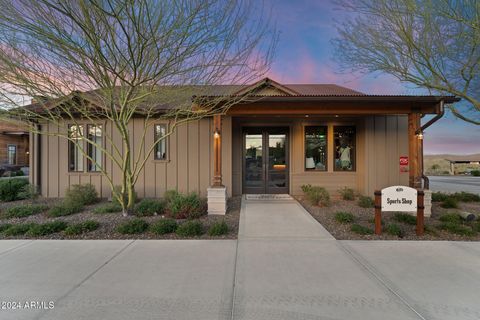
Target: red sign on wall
404 161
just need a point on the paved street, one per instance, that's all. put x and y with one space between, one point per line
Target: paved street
455 183
284 266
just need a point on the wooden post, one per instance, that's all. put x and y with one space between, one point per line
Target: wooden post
414 147
420 212
217 150
378 212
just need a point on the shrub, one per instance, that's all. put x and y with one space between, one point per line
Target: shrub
457 228
108 208
360 229
219 228
65 209
169 195
46 228
133 226
10 188
366 202
189 206
344 217
118 189
450 203
4 227
82 227
83 194
18 229
475 173
29 191
164 226
475 226
190 229
347 193
405 218
430 230
466 197
394 230
439 196
451 218
316 195
149 207
24 210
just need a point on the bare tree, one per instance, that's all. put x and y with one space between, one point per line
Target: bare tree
433 44
110 60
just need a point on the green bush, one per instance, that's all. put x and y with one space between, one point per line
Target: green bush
347 193
118 189
451 218
46 228
65 209
394 230
164 226
316 195
475 173
439 196
457 228
82 227
4 227
133 226
149 207
449 203
344 217
83 194
189 206
366 202
219 228
18 229
466 197
108 208
169 195
24 210
475 226
360 229
190 229
29 191
405 218
10 188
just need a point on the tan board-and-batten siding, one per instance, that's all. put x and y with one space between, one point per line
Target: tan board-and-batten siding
188 168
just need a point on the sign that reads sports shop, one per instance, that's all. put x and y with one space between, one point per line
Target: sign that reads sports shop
399 198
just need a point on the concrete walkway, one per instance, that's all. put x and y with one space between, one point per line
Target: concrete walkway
284 266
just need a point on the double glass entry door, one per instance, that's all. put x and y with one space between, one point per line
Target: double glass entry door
265 160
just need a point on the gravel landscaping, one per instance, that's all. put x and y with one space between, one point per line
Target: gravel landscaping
346 220
109 222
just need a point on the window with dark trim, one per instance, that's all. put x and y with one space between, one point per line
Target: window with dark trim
75 145
12 154
316 148
160 152
344 138
94 148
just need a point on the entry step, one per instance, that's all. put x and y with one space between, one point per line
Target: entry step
268 197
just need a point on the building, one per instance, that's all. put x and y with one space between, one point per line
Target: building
14 149
292 135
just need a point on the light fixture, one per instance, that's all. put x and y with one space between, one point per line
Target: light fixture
420 135
306 116
216 134
336 116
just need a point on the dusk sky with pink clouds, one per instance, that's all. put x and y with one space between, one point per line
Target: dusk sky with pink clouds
305 55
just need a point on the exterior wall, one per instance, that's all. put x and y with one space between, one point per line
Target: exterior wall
188 168
380 141
21 141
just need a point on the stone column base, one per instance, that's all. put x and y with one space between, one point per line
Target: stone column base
217 200
427 202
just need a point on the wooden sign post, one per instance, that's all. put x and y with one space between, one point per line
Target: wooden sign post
399 199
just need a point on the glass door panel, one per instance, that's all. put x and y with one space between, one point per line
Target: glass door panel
277 173
254 178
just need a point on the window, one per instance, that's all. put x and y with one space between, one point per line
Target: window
94 148
316 148
75 157
344 143
161 146
12 154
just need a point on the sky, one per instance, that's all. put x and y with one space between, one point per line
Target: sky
305 55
